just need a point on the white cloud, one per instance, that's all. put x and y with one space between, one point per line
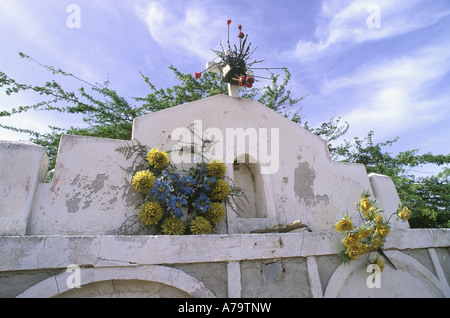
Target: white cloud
346 23
194 29
30 120
40 30
393 95
411 70
13 15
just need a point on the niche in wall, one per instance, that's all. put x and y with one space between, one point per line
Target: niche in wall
247 175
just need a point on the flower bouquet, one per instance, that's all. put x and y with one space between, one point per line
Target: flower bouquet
177 202
369 237
235 65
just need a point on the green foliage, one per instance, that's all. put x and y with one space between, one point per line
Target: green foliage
427 197
430 199
277 96
188 90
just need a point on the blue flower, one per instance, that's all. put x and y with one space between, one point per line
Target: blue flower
201 166
203 204
171 174
186 184
161 190
208 183
175 204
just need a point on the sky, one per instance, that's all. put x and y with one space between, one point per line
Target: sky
381 65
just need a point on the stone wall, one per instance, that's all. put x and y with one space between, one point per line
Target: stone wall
288 173
238 265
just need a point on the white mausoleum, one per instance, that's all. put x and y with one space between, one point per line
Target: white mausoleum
288 176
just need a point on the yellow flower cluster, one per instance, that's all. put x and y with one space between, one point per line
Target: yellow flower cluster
367 208
405 213
143 181
151 213
368 237
344 225
173 226
200 226
355 246
220 190
215 214
216 169
382 231
157 159
380 263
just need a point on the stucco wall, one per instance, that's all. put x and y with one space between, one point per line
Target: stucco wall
294 265
292 174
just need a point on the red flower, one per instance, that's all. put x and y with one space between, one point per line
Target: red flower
228 22
198 75
242 80
241 35
240 27
249 85
250 80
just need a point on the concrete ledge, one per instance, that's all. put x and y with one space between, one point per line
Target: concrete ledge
45 252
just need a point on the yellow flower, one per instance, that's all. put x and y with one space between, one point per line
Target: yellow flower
216 169
353 252
380 263
173 226
382 231
200 226
143 181
220 190
378 218
157 159
362 248
216 213
151 213
405 213
351 240
366 207
365 233
345 224
376 243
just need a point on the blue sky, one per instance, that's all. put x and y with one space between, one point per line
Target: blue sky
393 78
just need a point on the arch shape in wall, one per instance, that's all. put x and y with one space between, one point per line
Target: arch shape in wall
247 175
57 285
411 279
260 211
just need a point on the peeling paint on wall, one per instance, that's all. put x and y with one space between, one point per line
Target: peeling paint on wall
304 186
303 183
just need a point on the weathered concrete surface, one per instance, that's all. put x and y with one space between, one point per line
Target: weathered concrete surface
23 166
384 190
269 265
90 193
287 172
38 252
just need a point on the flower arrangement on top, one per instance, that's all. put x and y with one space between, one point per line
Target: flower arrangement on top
369 237
178 203
235 65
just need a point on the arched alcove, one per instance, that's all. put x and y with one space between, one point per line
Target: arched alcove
121 288
247 175
410 280
144 281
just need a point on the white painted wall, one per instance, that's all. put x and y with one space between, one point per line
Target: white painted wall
91 191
